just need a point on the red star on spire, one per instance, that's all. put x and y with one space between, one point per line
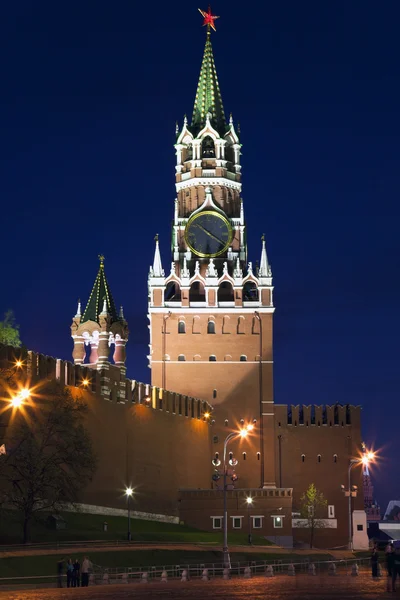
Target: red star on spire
209 18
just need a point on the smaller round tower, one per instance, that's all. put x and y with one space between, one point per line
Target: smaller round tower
100 327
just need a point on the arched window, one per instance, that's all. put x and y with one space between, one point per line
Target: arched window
181 327
196 292
258 456
208 148
250 292
243 358
244 455
181 358
172 292
211 327
225 292
212 358
303 457
225 325
319 458
335 458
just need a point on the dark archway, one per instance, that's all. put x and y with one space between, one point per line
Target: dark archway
225 292
250 292
172 292
208 148
197 292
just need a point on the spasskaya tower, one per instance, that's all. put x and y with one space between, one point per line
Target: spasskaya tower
211 314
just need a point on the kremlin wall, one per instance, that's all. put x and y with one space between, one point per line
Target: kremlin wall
160 443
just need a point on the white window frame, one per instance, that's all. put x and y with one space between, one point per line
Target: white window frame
240 517
254 517
221 521
331 511
274 521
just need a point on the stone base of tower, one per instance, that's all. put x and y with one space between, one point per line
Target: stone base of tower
269 515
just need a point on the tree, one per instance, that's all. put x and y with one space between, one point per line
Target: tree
49 457
9 331
312 508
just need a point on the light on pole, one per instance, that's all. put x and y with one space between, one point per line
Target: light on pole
242 433
352 491
249 502
129 493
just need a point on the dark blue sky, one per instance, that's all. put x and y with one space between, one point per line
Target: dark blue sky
90 92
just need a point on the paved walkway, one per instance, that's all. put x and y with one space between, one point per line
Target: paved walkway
301 587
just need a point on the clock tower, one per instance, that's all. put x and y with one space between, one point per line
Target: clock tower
211 314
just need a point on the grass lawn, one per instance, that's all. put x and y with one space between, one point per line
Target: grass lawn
47 565
84 527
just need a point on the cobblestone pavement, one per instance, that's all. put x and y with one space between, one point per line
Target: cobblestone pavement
301 587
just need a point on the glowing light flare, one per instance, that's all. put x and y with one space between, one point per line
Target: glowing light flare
365 460
207 415
16 401
250 427
129 491
243 433
85 382
249 500
18 364
371 455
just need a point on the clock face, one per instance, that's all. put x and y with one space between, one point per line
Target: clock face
208 234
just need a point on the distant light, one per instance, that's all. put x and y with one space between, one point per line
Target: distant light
278 519
365 460
16 401
129 491
24 394
207 415
371 455
243 433
147 399
18 363
249 500
85 382
250 427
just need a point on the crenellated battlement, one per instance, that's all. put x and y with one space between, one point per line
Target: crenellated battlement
108 383
317 415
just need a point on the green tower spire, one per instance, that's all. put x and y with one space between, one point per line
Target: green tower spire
100 293
208 95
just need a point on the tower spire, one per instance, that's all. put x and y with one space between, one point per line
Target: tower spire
157 266
100 295
264 270
208 96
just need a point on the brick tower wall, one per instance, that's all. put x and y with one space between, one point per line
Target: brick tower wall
334 433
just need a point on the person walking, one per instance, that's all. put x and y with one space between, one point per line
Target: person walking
76 580
396 565
389 559
60 571
374 563
86 566
70 572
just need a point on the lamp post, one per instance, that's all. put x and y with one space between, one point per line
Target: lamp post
249 501
235 434
16 402
351 491
129 493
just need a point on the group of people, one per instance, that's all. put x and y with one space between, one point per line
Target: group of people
392 558
77 574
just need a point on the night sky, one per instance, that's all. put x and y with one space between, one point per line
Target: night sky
90 92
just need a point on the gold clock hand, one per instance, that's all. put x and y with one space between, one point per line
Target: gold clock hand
210 234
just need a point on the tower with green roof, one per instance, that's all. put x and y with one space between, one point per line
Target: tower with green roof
100 327
211 314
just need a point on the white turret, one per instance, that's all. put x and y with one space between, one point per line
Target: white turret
157 266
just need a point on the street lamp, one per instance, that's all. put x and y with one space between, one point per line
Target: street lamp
129 493
22 395
242 433
351 491
249 502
